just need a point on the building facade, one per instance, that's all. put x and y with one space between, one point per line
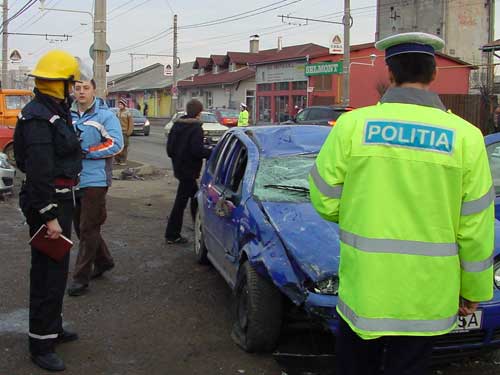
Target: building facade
465 26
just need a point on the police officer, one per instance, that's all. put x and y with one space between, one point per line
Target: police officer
411 189
47 150
243 117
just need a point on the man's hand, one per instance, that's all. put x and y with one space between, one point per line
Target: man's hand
54 230
467 307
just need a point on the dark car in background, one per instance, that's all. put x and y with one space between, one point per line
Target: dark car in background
227 117
141 123
319 115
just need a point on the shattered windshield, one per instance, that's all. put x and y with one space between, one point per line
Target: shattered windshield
284 179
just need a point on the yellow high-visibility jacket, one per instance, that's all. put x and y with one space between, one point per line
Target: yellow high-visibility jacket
243 118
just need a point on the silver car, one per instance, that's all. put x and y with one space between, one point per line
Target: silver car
7 173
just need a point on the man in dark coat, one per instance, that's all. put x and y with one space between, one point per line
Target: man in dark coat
186 149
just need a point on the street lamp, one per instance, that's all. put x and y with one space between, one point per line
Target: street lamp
373 57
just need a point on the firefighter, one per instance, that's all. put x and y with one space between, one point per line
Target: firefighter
48 151
410 186
243 118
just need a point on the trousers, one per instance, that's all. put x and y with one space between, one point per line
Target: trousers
47 285
388 355
122 156
185 191
90 214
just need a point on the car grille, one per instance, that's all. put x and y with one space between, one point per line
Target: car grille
452 339
7 181
216 133
496 335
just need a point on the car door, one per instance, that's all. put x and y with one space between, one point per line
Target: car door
301 117
493 150
227 208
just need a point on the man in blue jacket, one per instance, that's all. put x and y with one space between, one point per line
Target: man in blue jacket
101 139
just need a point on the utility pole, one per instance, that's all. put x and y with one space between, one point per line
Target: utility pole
347 53
100 47
5 46
175 94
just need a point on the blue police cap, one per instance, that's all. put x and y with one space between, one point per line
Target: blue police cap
410 43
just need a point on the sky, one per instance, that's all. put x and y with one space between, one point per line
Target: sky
130 22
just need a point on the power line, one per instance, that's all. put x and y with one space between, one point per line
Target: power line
128 10
239 16
23 9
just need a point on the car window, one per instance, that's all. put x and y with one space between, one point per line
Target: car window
229 113
214 160
301 116
493 152
136 113
284 179
321 114
225 159
208 117
16 101
237 167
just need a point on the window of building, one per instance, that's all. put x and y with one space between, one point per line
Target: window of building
283 86
209 101
201 71
281 108
323 83
194 94
265 109
299 85
299 102
265 87
232 67
216 69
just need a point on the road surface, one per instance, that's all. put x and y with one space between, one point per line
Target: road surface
150 149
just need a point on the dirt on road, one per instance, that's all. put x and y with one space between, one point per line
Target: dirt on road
156 313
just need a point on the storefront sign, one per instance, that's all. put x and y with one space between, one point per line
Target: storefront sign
280 72
324 68
336 45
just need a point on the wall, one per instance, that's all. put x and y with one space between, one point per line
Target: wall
451 78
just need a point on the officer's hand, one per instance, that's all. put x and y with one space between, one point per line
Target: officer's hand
54 230
467 307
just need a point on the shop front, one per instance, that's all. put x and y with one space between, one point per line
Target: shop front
281 90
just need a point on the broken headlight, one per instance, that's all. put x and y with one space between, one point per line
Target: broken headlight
328 286
496 274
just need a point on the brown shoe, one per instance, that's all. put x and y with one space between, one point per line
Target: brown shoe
99 271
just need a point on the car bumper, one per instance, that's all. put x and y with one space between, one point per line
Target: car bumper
446 347
7 179
140 129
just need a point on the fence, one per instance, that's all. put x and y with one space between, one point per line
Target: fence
477 109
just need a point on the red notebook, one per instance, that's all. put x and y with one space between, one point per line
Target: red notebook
56 249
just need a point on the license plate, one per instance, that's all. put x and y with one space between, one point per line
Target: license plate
470 322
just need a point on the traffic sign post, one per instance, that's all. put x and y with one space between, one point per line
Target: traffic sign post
168 71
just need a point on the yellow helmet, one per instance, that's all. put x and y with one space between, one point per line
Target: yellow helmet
57 65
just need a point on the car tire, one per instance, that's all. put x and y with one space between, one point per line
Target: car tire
258 312
199 247
9 151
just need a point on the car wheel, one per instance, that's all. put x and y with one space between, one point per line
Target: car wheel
258 310
9 151
200 250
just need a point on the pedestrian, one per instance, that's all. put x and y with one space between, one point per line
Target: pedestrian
127 125
410 187
186 149
101 139
243 118
48 151
496 120
146 110
138 107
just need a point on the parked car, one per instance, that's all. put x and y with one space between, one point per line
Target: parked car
7 142
141 123
255 223
7 174
212 129
227 117
318 115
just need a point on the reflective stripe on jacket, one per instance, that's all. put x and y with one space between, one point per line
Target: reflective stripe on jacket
411 189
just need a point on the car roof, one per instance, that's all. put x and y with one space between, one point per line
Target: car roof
280 140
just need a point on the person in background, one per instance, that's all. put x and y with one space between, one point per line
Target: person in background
186 149
101 139
47 150
127 125
243 118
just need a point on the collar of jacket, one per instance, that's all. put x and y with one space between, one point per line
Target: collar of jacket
410 95
188 120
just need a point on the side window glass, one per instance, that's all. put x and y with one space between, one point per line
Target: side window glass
224 161
301 116
320 114
493 152
214 159
237 170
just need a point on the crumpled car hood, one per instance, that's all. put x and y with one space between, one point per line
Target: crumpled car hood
311 241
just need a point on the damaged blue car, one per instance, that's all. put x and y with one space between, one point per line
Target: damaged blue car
255 223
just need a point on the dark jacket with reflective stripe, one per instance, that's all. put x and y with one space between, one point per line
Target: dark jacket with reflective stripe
46 147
